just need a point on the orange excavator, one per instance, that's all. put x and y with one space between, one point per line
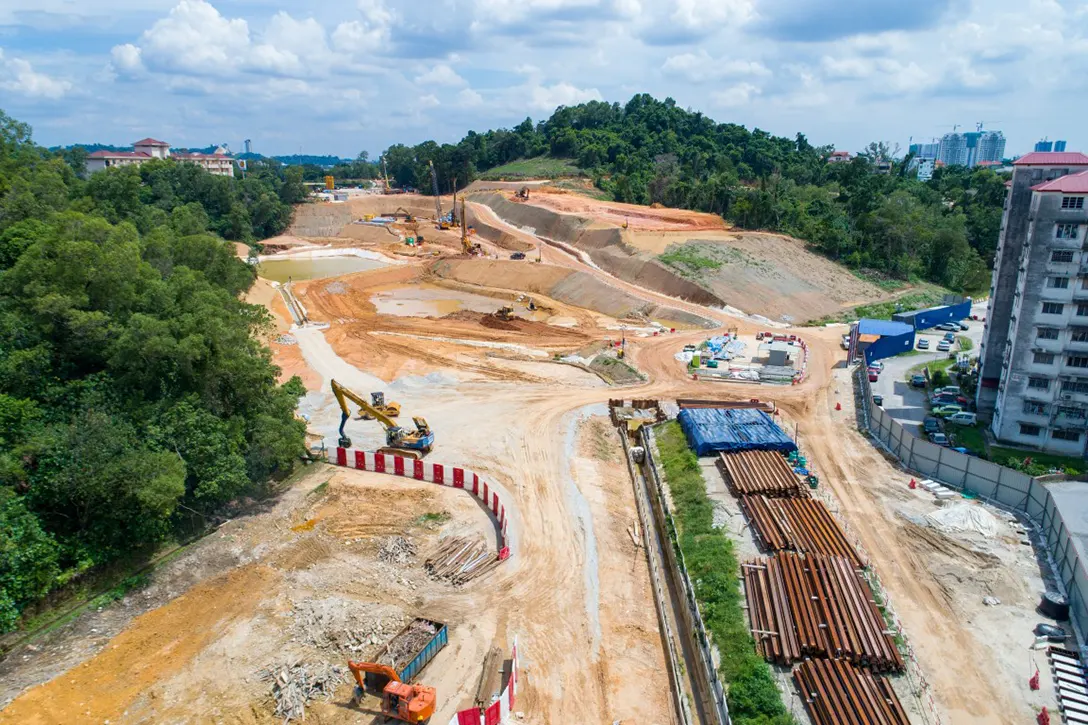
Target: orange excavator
400 700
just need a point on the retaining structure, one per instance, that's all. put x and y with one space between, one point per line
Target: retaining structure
437 473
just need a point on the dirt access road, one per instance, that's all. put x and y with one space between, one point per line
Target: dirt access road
575 597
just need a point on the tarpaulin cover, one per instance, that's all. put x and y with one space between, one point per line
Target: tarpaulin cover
730 429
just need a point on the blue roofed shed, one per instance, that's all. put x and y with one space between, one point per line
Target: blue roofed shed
878 339
728 429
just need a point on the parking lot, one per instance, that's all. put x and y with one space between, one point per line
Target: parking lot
905 404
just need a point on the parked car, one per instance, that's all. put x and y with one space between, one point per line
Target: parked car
964 325
950 336
873 377
946 410
923 344
965 451
879 400
845 342
938 400
948 326
878 366
944 346
947 390
517 255
931 424
963 418
918 381
939 439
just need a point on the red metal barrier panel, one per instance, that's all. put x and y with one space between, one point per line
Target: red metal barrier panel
475 484
379 462
439 473
494 503
504 553
417 469
484 498
493 714
360 460
468 717
458 478
398 465
341 457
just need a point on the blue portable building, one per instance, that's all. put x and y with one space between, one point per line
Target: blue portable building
878 339
709 430
932 316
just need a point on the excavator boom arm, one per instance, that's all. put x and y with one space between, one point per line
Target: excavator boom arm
358 668
437 198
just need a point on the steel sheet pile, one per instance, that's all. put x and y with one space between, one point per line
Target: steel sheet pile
816 605
837 693
798 524
760 472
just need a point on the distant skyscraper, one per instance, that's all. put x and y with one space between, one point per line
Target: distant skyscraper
925 150
968 149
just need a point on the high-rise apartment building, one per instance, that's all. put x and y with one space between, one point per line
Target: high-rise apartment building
1034 354
968 149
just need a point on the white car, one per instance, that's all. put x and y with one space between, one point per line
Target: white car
963 418
943 346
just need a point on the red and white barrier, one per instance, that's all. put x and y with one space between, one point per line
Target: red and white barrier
437 473
501 710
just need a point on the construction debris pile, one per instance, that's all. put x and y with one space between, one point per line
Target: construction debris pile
460 559
798 524
396 550
339 625
295 685
816 606
407 644
760 472
837 693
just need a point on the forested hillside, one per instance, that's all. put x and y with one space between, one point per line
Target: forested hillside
133 391
651 151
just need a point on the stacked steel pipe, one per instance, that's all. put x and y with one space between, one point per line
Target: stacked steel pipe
816 605
795 524
763 472
837 693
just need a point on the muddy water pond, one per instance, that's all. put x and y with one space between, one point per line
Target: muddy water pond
279 270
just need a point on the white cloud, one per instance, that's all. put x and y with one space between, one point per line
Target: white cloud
700 14
701 67
548 98
737 95
428 101
194 37
469 98
127 59
18 76
441 75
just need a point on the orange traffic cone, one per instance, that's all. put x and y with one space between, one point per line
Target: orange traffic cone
838 406
913 484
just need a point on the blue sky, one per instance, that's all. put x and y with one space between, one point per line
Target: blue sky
343 77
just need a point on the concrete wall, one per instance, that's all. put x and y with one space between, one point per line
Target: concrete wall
1035 288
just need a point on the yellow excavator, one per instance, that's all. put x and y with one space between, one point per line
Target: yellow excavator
400 700
398 441
377 401
466 246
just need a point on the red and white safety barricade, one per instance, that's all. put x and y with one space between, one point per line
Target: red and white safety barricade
437 473
499 711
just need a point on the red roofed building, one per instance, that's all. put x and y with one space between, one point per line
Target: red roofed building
1034 354
838 157
219 163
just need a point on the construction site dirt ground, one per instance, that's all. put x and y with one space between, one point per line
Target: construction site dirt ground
188 648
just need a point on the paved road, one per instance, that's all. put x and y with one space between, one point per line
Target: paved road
904 403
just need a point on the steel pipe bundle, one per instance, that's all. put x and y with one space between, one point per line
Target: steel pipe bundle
838 693
760 472
796 524
819 606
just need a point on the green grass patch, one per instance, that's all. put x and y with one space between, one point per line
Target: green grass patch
1041 463
688 258
965 343
934 365
927 295
713 567
433 518
970 437
541 167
